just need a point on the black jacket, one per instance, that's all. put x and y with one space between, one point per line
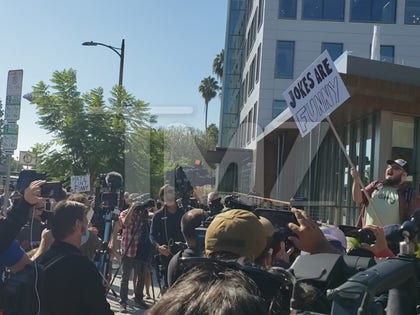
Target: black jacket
73 285
10 227
166 227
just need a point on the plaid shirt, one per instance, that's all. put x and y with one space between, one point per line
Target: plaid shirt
127 235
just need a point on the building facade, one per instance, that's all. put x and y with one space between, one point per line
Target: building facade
268 44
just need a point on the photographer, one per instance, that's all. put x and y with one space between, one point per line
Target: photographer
18 216
135 231
166 228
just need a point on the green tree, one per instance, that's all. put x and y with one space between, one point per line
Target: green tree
218 62
208 89
89 136
206 141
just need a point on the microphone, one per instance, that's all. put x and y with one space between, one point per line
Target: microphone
114 180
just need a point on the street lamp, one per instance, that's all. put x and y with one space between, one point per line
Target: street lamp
118 51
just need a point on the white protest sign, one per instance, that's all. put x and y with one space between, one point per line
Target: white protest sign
316 93
80 183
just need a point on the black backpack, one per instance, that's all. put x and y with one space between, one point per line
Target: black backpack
23 291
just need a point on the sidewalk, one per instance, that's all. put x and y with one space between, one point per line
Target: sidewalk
131 305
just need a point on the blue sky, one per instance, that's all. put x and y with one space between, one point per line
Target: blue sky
170 46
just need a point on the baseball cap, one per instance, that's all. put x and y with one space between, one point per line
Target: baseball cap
236 231
335 237
400 162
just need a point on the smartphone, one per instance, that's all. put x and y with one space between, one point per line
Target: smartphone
51 190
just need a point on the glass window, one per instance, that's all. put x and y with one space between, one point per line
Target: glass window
254 121
287 9
387 53
412 12
251 76
284 59
257 69
383 11
334 49
331 10
278 107
260 12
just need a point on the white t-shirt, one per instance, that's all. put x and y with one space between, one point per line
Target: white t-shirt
385 202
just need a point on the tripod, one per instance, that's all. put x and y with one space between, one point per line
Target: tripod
102 257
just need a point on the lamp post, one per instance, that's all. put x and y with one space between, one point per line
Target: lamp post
118 51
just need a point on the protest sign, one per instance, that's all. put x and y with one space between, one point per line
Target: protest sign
80 183
316 93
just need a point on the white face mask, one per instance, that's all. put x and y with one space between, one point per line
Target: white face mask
85 237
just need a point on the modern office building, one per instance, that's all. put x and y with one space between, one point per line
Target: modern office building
268 44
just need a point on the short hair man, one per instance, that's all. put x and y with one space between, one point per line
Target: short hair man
73 285
392 200
189 222
214 203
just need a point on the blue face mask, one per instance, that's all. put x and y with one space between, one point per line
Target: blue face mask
85 237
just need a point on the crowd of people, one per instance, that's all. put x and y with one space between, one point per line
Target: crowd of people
201 253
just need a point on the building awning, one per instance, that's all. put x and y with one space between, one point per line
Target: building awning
217 156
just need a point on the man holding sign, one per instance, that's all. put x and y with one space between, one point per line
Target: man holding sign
394 199
315 94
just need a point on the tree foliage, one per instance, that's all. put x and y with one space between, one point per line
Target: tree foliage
208 89
218 62
89 136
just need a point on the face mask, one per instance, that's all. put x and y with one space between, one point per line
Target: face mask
85 237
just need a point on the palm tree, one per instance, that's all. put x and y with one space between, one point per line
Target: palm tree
218 65
208 89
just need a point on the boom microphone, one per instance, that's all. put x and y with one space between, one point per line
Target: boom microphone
114 180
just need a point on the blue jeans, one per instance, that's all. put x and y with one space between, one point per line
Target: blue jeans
128 264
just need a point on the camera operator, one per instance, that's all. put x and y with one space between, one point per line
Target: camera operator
18 216
135 231
165 231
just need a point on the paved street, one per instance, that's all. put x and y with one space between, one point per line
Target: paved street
131 307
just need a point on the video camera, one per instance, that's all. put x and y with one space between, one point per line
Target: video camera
143 205
109 199
109 193
237 202
361 235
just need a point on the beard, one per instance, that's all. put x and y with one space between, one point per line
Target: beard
392 181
